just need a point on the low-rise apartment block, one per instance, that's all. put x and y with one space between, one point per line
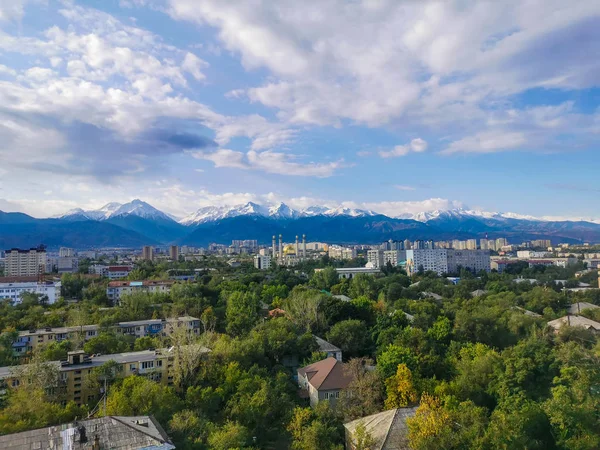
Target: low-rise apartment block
73 382
14 291
262 262
117 289
28 341
375 258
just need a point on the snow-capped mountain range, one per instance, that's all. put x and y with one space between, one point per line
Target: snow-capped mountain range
113 210
282 211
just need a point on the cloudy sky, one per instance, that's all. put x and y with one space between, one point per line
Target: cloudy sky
393 106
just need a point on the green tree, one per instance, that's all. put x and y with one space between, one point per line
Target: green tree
137 396
106 343
324 279
351 336
230 436
242 312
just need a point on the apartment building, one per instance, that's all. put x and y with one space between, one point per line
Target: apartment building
471 244
262 262
394 257
148 253
28 341
338 252
116 289
73 386
66 252
24 263
174 253
375 258
14 291
446 260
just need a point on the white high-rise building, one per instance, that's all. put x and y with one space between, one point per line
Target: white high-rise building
262 262
446 260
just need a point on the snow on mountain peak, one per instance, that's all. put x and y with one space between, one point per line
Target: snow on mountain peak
140 209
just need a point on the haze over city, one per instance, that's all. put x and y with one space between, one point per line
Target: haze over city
396 107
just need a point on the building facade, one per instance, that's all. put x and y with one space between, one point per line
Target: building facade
14 291
338 252
28 341
148 253
443 260
174 253
262 262
24 263
74 373
116 289
394 257
375 257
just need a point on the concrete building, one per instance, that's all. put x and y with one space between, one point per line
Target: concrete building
262 262
501 242
471 244
28 341
501 264
67 264
23 263
351 272
446 260
148 253
174 253
110 432
394 257
338 252
375 257
65 252
14 291
118 272
323 380
72 383
117 289
543 243
530 254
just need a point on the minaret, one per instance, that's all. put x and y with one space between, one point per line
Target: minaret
297 248
280 249
304 246
274 248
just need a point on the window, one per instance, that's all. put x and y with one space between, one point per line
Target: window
132 367
15 383
147 364
159 363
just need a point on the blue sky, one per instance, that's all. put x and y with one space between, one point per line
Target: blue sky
399 107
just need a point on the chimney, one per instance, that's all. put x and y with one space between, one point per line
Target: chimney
304 246
297 248
274 248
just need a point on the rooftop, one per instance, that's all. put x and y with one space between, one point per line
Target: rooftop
140 283
114 432
325 346
388 428
326 374
575 321
576 308
96 361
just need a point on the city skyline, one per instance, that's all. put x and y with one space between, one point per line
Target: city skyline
397 108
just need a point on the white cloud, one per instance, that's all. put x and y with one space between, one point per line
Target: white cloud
12 10
448 66
403 187
269 162
487 142
417 145
194 66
